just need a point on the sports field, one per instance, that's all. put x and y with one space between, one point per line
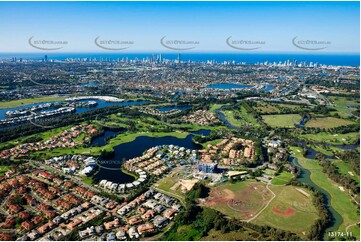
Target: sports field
241 200
289 210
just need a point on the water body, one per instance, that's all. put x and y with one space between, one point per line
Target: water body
249 58
136 148
228 86
101 140
268 88
101 104
169 108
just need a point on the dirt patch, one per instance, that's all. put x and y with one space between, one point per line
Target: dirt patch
288 212
229 194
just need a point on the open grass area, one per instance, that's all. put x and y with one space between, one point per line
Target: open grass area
327 122
337 139
282 120
289 210
282 179
340 200
240 200
21 102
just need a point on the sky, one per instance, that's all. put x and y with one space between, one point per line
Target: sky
206 26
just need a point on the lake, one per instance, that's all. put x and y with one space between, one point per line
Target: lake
136 148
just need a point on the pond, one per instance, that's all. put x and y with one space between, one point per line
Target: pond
136 148
228 86
169 108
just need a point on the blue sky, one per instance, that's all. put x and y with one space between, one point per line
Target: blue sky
209 23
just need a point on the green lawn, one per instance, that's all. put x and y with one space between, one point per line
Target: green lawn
340 200
282 178
282 120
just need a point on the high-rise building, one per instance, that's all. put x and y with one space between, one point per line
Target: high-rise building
46 58
179 58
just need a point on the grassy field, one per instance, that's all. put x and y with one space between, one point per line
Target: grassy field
282 178
282 120
241 200
327 122
289 210
340 200
327 137
22 102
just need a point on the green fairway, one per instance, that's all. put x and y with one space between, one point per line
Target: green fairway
22 102
282 120
340 200
214 107
337 139
289 210
327 122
